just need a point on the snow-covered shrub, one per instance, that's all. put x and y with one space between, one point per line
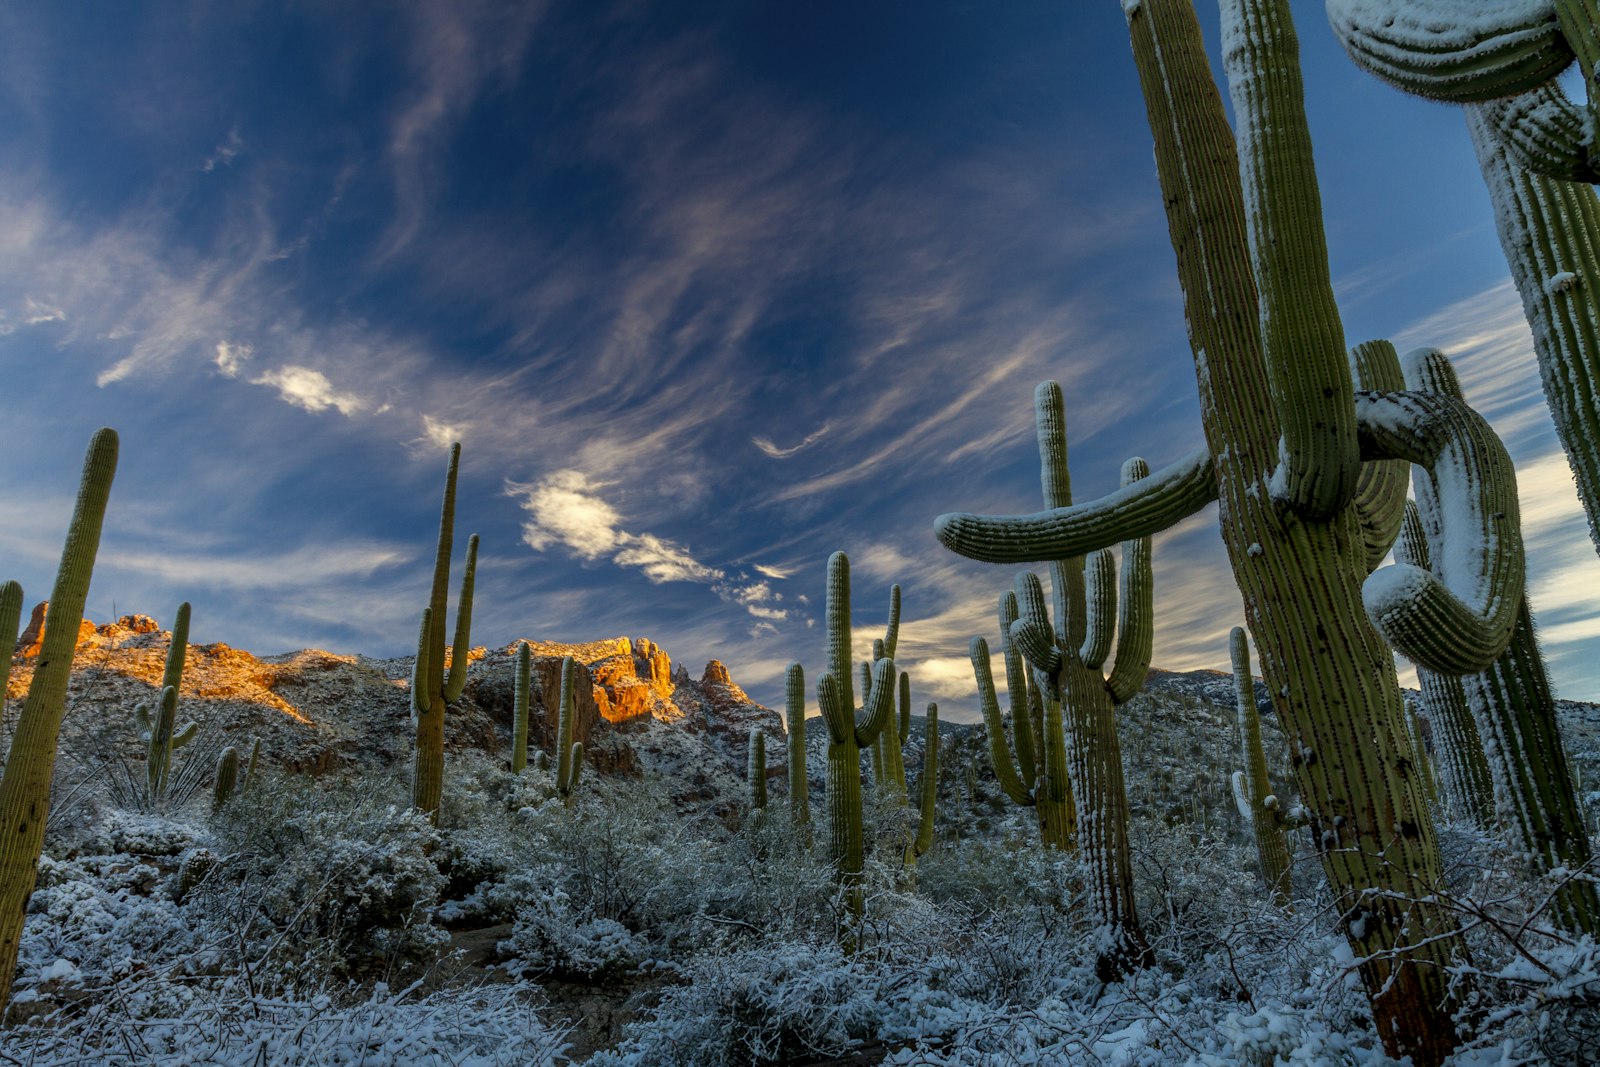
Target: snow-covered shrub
551 937
140 834
327 876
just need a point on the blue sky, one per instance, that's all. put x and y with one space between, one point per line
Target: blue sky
706 290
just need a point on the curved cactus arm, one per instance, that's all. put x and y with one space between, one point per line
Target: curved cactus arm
574 771
1541 131
183 736
1101 616
522 686
10 619
141 719
1017 691
1461 620
795 717
879 711
1241 798
178 650
1031 633
1381 491
1302 337
419 667
891 633
1164 499
756 770
461 647
1136 607
837 715
1484 51
922 842
999 756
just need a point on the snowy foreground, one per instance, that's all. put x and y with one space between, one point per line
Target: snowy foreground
315 921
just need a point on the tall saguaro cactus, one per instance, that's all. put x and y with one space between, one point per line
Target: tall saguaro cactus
569 753
921 842
794 706
159 732
25 787
432 689
522 684
848 731
1252 787
1263 330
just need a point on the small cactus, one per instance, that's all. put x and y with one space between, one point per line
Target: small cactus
519 719
158 733
795 718
569 753
227 778
1252 788
922 841
756 771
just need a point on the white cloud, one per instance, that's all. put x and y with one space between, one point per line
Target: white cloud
309 389
230 357
39 313
225 153
439 432
770 571
766 445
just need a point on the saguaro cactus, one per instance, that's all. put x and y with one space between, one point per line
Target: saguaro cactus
756 770
25 787
1260 311
569 753
1467 785
521 685
848 731
1252 787
159 733
1514 710
432 689
922 841
794 703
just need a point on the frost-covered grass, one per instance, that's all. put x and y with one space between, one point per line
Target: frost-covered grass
307 902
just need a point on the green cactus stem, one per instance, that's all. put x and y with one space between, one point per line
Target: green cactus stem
1380 498
848 732
794 686
569 753
1514 710
227 778
432 689
25 786
1252 787
756 770
521 685
1467 784
10 619
160 735
921 842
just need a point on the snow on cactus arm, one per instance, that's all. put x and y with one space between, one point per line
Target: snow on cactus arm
1454 50
1541 131
1459 621
1144 507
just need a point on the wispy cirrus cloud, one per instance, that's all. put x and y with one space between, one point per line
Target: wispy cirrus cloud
765 444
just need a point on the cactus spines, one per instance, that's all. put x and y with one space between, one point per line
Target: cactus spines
794 685
922 841
439 689
756 770
521 684
227 778
25 786
569 753
1252 787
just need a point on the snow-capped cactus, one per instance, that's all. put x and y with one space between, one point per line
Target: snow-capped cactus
849 728
30 766
1514 710
432 688
521 684
1252 264
1269 820
160 733
1504 56
794 704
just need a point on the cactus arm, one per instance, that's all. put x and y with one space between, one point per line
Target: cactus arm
178 650
1540 131
836 713
10 619
1055 480
922 843
461 647
574 772
184 736
158 750
250 768
756 769
1459 621
1302 337
419 667
1381 491
879 711
795 714
1550 233
141 719
521 694
1031 633
1164 499
1004 771
838 622
1136 621
891 633
1101 619
1017 691
25 786
1241 798
1487 51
